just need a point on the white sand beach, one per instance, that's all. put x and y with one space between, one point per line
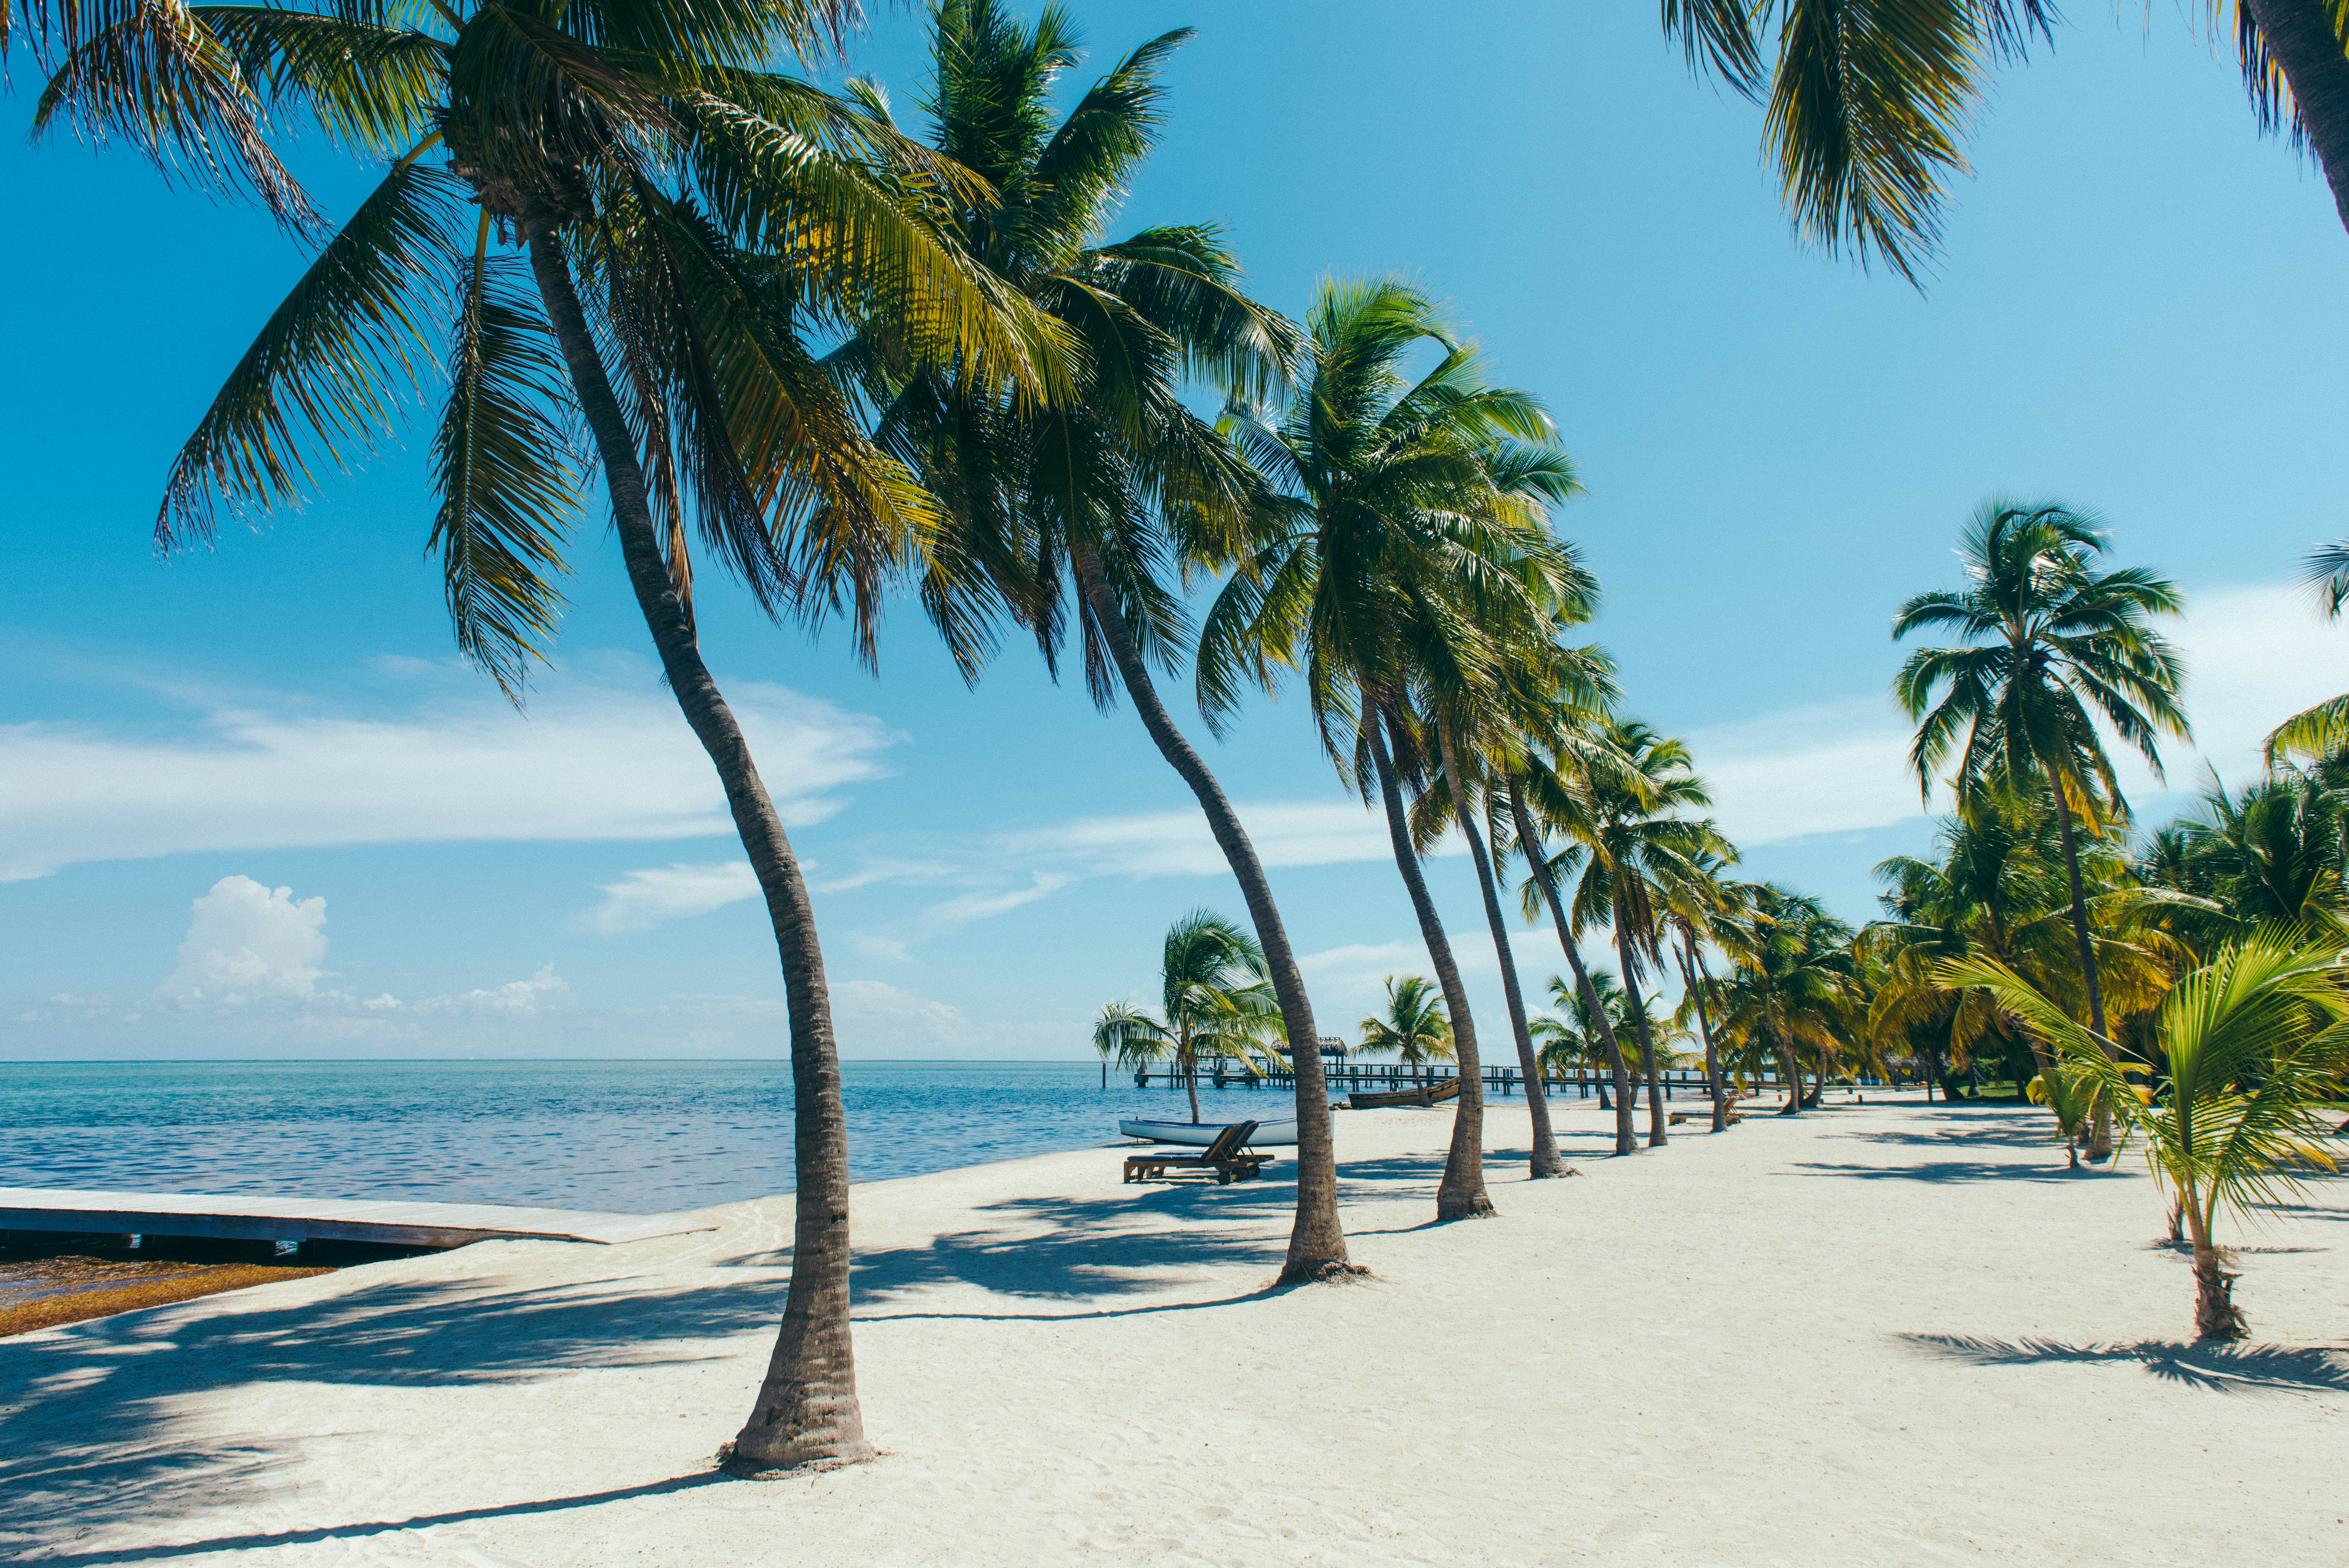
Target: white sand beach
1879 1335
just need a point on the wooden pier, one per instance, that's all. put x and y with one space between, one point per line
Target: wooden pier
299 1219
1228 1074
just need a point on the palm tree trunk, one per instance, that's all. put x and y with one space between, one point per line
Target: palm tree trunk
806 1411
1546 1162
1190 1066
1689 973
1788 1069
1316 1242
1639 1010
2100 1136
2216 1316
1461 1195
2300 38
1529 840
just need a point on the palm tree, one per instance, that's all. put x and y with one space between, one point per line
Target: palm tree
2255 1043
1562 780
683 215
2271 853
1577 1036
1792 986
1870 101
2050 646
1088 504
1641 855
1408 555
1477 744
1703 909
1214 999
1413 1028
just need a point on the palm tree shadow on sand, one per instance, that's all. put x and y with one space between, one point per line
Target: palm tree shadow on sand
2214 1368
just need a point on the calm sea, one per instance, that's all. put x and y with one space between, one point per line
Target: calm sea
630 1137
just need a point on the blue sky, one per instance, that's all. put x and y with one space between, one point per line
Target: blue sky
2138 312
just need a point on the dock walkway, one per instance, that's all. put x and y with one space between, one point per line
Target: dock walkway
248 1218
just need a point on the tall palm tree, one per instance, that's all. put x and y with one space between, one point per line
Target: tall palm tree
1413 1028
2051 645
1703 909
2255 1043
1641 855
1214 999
1870 101
682 216
1477 744
1408 553
1080 511
1561 778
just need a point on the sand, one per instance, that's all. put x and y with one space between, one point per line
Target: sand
1878 1334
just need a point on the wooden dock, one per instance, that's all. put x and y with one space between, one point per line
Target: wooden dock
298 1219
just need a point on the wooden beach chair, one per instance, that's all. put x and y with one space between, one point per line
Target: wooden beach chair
1227 1158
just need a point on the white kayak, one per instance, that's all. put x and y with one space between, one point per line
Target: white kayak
1280 1131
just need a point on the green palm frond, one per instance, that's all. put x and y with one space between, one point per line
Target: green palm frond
331 363
508 486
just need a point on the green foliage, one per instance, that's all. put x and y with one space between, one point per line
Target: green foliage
1413 1028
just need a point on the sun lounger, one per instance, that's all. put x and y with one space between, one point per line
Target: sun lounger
1227 1159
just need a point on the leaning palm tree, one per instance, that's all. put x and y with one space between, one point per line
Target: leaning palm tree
2255 1043
1791 988
1214 1000
1413 1028
1082 512
1565 750
610 213
1407 555
2051 645
1590 1013
1478 744
1870 101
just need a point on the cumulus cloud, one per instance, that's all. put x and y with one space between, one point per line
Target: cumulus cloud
600 755
247 942
642 900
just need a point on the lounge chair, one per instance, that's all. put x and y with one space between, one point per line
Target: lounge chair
1227 1157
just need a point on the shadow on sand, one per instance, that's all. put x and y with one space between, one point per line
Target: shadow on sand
360 1531
2217 1369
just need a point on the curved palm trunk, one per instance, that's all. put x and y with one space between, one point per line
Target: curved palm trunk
1639 1010
1316 1243
1546 1162
2301 37
1700 994
2100 1136
1529 836
1190 1064
1462 1194
807 1410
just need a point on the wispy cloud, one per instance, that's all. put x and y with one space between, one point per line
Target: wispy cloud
642 900
602 756
981 906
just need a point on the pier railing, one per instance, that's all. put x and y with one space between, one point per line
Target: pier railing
1229 1073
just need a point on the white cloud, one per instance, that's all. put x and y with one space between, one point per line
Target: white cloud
545 992
642 900
602 756
2252 655
247 942
980 906
1178 843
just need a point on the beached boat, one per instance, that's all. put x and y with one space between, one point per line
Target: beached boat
1426 1095
1201 1134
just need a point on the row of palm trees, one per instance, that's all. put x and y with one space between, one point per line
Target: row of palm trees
840 358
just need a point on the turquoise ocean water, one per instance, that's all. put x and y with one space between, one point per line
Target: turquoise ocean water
630 1137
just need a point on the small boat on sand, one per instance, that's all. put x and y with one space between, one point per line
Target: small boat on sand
1202 1134
1425 1094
